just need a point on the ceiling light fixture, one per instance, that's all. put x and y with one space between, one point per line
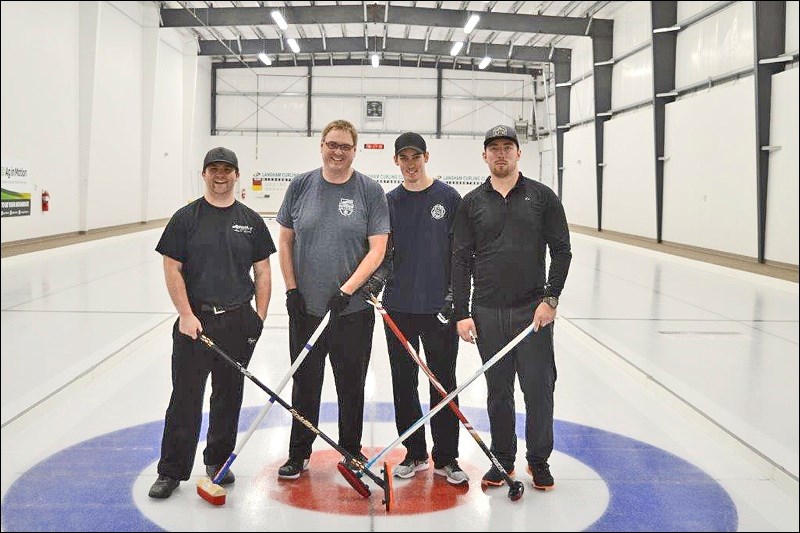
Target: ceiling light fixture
484 62
471 23
456 48
376 61
293 45
265 59
279 20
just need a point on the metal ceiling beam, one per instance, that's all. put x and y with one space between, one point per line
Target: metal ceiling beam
422 63
414 16
393 45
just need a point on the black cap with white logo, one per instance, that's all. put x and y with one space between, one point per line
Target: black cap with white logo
501 132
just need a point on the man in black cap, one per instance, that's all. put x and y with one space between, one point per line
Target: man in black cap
419 300
209 247
502 231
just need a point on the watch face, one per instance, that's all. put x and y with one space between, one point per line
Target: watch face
552 301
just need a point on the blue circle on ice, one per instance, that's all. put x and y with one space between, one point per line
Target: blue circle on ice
88 486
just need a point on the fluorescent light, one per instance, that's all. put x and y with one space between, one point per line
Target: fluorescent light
456 48
666 30
471 23
279 20
484 62
376 61
265 59
780 59
293 45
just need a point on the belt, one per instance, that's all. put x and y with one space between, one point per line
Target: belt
218 309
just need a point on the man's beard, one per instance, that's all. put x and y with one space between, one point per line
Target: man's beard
503 171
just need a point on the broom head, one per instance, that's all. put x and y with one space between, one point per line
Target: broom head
213 494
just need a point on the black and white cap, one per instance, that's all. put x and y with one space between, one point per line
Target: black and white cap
501 132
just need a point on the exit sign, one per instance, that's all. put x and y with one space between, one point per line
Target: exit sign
373 146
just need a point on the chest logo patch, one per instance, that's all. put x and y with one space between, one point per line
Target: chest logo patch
346 207
438 212
241 228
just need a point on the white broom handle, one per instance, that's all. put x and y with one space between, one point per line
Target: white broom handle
297 362
446 400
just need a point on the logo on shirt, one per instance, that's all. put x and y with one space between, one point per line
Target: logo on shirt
239 228
438 211
346 207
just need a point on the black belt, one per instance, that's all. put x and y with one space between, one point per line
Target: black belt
218 309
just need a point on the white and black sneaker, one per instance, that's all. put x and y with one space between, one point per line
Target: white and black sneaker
291 469
453 472
409 467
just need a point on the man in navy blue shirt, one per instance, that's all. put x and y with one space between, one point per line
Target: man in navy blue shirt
418 298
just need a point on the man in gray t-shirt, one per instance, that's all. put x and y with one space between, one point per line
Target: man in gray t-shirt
334 228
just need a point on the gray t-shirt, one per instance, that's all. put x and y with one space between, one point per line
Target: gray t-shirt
331 224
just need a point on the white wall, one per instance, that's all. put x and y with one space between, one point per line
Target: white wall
122 119
783 207
629 183
710 194
40 111
91 111
580 177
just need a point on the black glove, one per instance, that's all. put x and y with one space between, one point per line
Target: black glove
338 303
374 285
295 303
446 312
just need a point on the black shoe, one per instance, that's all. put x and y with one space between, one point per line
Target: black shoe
291 469
163 487
494 478
542 480
227 479
356 463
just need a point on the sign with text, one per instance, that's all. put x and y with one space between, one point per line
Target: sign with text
16 193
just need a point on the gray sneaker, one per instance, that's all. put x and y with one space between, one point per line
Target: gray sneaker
409 467
455 476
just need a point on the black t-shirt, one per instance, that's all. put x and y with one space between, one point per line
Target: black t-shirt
217 247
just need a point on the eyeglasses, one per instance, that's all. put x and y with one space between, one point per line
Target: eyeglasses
332 146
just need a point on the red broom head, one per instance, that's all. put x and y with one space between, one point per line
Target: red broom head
354 481
213 494
388 487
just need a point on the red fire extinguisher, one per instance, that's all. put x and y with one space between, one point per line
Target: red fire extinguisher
45 201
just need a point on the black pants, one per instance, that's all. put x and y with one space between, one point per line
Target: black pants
236 333
349 343
441 347
534 361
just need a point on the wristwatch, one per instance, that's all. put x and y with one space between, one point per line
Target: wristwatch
552 301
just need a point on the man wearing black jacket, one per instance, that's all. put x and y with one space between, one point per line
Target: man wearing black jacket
502 231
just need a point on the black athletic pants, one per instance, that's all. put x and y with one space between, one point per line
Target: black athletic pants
349 343
534 362
441 347
236 333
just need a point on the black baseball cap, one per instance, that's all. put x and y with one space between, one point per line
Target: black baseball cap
220 155
410 140
501 132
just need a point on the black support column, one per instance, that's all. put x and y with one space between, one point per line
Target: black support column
664 16
439 74
308 101
562 66
769 32
602 52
